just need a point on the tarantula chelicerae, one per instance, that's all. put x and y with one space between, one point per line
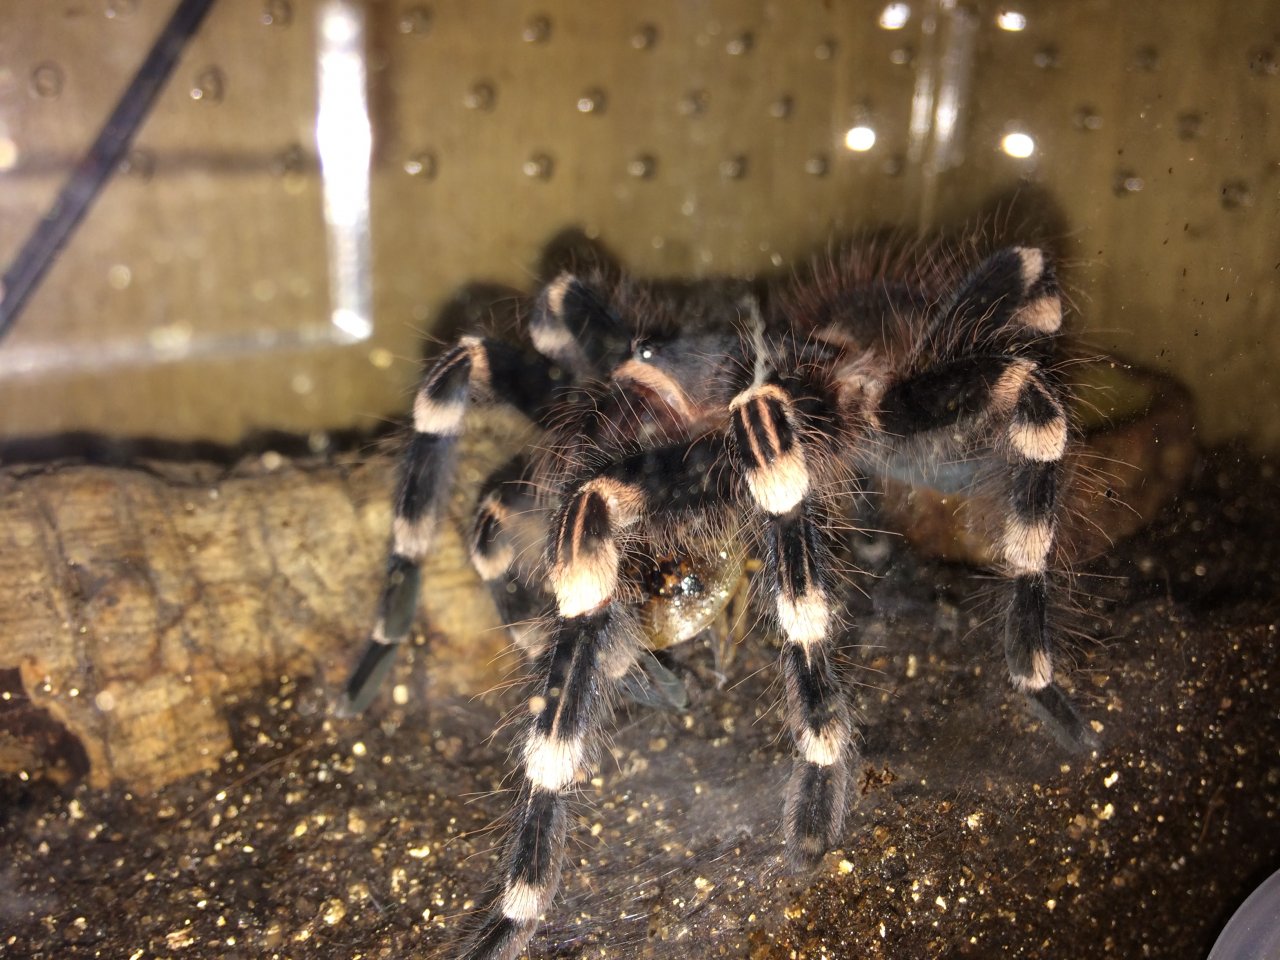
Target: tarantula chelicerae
673 429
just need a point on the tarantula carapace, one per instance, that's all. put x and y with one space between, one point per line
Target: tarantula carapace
682 433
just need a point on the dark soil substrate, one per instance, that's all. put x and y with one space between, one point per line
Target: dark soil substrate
973 833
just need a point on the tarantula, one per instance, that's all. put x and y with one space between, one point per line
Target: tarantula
676 427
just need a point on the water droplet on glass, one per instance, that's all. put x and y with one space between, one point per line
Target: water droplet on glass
733 168
1047 58
825 50
537 30
119 9
1086 118
593 100
644 37
482 96
1126 182
1189 124
539 166
139 163
1262 62
781 108
46 80
1236 194
422 165
740 44
642 166
817 165
1147 58
693 103
119 276
415 20
210 85
289 161
902 56
277 13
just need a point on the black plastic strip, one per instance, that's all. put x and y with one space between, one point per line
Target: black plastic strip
95 168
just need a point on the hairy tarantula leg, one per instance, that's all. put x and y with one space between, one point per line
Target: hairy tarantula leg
595 645
592 649
507 506
1014 294
574 325
1035 443
1014 291
473 369
580 669
797 564
507 524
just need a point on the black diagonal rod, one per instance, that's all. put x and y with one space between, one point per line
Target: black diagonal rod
97 165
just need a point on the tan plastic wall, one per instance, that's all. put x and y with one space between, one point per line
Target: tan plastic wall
1157 132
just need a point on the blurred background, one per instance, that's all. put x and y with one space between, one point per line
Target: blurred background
230 280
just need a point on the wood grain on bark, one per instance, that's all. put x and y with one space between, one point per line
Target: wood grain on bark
136 603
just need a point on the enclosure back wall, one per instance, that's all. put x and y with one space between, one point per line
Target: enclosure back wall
691 137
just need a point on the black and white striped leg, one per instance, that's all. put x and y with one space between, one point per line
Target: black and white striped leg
1004 320
593 647
797 567
1013 295
473 369
572 704
574 325
508 525
1036 440
1019 393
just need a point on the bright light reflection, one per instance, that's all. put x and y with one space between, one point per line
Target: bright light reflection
1011 20
895 16
860 139
1018 145
344 140
8 149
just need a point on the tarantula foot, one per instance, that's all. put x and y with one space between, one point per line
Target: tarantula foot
1058 714
375 663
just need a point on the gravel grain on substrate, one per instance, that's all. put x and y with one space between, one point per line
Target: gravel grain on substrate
973 833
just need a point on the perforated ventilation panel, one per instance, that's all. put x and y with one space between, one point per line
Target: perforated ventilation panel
691 138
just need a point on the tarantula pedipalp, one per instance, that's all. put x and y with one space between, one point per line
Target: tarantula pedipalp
674 427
